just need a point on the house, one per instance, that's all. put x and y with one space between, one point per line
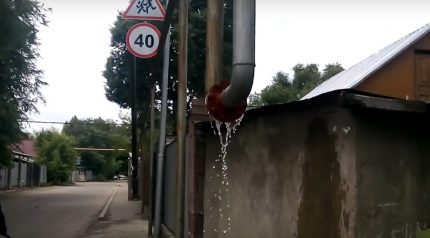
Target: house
400 70
24 172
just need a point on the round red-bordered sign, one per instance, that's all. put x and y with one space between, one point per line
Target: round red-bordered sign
142 40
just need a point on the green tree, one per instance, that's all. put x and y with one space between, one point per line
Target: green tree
283 89
20 79
119 64
330 70
57 152
104 134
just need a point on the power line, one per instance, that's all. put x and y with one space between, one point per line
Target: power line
98 149
77 123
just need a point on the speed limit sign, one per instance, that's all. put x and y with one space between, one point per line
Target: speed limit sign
142 40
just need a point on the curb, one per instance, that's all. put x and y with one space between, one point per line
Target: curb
108 203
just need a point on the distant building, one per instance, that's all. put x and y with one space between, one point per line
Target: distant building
25 171
400 70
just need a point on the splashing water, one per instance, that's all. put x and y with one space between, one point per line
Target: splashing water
224 130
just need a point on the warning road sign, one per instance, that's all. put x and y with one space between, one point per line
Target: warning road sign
142 40
145 10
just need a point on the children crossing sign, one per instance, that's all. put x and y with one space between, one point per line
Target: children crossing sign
145 10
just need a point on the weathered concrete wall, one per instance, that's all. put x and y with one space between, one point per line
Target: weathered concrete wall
3 178
284 177
335 173
394 175
23 179
169 199
14 174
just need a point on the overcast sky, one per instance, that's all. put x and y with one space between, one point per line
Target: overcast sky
75 46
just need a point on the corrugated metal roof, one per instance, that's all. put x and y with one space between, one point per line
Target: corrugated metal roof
351 77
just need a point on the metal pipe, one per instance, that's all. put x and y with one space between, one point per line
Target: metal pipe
162 140
150 162
134 182
243 54
214 42
182 111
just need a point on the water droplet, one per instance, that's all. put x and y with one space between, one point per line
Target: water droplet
224 231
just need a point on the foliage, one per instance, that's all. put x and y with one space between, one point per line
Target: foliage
423 234
284 89
102 134
57 152
119 64
20 79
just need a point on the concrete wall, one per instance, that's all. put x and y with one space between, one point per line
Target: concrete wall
23 174
30 175
331 172
89 175
3 178
74 177
14 174
43 175
169 199
393 175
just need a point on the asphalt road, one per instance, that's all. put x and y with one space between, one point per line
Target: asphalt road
54 212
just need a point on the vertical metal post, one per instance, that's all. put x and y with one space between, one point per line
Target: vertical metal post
134 181
149 161
182 111
162 140
214 42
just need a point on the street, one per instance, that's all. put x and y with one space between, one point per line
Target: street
57 212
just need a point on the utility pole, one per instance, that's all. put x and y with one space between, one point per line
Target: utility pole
214 43
182 111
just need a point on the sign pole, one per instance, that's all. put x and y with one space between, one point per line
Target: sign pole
134 184
162 142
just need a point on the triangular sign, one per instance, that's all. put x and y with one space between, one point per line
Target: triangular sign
145 10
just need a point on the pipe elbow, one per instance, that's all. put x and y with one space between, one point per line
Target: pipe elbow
216 107
240 85
231 97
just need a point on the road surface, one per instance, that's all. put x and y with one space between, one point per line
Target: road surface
55 212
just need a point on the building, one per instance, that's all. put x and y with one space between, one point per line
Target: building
400 70
25 171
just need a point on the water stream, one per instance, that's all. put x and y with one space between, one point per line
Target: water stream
225 131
